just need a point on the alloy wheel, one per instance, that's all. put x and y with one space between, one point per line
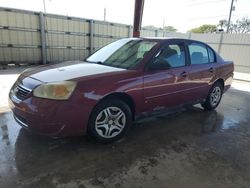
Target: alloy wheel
215 96
110 122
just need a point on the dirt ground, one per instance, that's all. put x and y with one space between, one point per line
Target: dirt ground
190 148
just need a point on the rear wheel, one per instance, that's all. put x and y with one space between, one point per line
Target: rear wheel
214 97
109 120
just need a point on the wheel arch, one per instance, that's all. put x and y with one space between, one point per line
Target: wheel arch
221 81
123 97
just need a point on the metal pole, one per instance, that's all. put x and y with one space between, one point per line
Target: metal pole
129 31
139 4
91 36
104 15
230 14
220 43
43 38
156 33
189 35
163 27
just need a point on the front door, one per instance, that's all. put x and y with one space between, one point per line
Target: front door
166 77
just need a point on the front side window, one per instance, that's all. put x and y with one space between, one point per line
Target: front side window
198 53
170 56
124 53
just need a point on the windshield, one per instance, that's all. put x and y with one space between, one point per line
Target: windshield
124 53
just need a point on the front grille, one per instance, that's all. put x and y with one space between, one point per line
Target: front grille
21 92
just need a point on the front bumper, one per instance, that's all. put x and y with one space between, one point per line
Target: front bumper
50 117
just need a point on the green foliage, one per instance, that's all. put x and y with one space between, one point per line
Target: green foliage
150 27
222 24
166 28
240 26
169 29
206 28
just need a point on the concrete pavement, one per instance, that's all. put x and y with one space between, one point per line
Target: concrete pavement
191 148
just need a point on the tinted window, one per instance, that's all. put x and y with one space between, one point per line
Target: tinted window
124 53
211 55
198 53
143 48
170 56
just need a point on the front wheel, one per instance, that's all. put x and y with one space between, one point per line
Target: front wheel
214 97
109 120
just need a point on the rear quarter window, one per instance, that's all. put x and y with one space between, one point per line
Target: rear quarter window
211 55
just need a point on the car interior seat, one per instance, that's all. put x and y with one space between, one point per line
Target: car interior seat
197 58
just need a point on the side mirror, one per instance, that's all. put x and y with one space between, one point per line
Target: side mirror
158 64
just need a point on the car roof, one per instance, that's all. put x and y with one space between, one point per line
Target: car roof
165 39
162 39
154 38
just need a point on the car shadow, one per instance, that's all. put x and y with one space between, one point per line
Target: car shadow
81 157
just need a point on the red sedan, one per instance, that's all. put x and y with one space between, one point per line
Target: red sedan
122 81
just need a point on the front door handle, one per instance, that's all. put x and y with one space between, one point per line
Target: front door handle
184 74
211 69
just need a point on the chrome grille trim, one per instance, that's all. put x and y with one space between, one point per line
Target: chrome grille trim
21 91
20 121
22 86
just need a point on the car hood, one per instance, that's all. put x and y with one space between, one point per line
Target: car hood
67 71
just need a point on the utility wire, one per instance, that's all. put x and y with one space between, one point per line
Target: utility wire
205 3
219 16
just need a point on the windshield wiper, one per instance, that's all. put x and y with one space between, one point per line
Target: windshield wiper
102 63
99 62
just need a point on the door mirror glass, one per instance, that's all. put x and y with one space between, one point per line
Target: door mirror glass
159 64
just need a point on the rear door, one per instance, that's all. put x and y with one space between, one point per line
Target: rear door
202 69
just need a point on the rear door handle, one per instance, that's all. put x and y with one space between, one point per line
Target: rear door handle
184 74
211 69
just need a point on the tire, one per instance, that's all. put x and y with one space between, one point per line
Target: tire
214 97
109 120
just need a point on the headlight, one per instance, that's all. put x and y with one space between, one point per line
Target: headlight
55 90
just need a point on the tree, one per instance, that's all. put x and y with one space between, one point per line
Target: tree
169 29
240 26
165 29
150 27
206 28
223 24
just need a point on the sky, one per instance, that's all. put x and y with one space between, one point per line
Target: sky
182 14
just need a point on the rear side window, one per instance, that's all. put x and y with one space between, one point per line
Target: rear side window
198 53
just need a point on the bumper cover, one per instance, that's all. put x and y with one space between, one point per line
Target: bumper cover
50 118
